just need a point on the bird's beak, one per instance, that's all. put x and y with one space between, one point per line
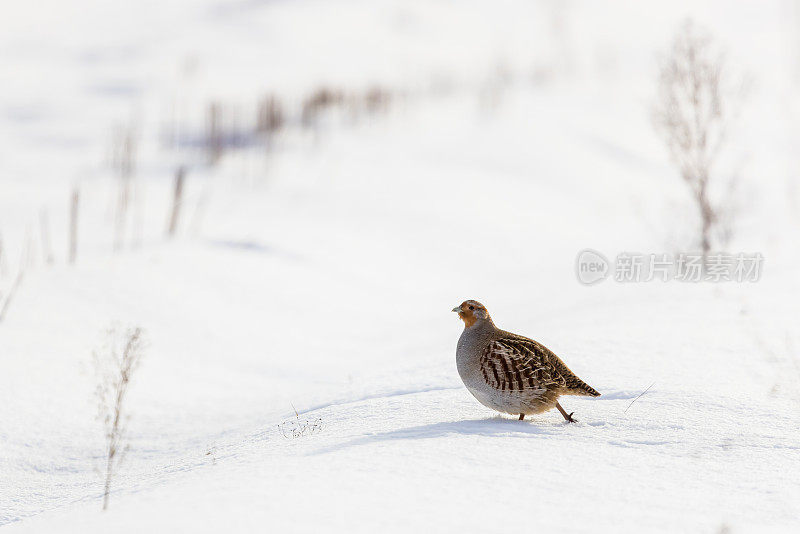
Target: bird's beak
457 309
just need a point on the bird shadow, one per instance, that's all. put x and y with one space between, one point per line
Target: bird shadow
488 427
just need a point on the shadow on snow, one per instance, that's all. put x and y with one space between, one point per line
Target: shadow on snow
490 427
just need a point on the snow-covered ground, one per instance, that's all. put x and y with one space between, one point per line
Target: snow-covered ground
319 275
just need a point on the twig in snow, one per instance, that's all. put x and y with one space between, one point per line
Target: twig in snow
637 398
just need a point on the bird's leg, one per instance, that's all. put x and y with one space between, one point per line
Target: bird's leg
567 416
521 416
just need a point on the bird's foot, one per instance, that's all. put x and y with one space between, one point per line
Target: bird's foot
521 416
567 417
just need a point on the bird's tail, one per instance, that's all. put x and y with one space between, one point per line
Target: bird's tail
579 387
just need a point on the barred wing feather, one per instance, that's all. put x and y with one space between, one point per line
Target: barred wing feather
516 363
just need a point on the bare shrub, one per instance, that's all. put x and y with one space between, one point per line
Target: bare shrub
317 103
697 100
377 99
270 119
297 428
270 115
226 130
114 366
292 429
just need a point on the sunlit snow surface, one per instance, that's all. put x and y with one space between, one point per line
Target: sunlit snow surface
319 276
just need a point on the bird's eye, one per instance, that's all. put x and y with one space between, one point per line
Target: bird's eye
472 307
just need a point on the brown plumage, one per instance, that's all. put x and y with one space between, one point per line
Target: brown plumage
511 373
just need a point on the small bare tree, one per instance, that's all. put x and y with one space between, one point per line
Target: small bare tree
696 102
114 366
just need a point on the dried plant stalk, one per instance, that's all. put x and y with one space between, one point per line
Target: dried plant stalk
124 163
114 366
24 264
177 201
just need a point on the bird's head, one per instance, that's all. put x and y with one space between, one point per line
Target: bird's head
472 312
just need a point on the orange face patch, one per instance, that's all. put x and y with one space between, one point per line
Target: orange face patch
468 315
